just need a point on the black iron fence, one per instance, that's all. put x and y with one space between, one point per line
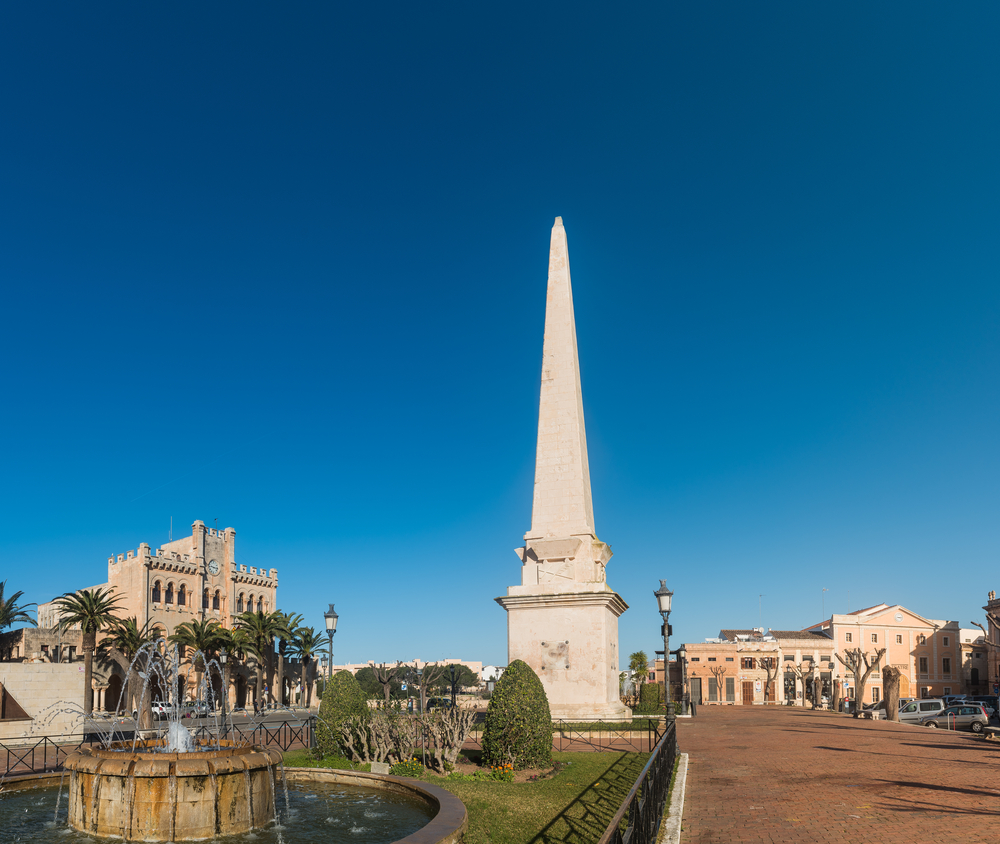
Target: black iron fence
638 820
47 753
639 735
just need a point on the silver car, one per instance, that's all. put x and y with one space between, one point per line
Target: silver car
964 716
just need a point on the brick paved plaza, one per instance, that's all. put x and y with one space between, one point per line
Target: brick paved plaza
780 774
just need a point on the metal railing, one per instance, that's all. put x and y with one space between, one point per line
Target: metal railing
638 820
640 735
47 753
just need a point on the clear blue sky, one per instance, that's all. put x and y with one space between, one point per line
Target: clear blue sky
285 267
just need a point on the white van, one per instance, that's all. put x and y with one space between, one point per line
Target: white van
915 711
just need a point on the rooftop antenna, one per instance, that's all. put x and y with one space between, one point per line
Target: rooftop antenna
170 536
760 613
825 590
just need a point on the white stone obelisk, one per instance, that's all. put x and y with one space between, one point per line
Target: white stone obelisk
563 618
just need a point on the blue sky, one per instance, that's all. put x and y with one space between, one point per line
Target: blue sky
285 268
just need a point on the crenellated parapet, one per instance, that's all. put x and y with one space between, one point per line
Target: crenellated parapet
158 560
254 576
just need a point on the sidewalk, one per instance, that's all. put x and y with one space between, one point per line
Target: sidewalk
761 775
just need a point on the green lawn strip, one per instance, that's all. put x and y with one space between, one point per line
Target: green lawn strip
573 807
305 759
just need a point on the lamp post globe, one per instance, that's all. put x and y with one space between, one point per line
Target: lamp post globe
330 617
663 599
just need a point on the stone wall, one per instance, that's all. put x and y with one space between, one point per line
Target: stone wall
42 689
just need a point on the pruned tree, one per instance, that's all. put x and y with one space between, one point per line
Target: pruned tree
447 731
993 620
811 689
770 665
861 666
386 676
719 672
890 685
425 677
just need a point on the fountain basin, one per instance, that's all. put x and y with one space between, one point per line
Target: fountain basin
154 795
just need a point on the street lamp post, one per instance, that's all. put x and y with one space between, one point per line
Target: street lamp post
224 658
663 598
685 702
331 627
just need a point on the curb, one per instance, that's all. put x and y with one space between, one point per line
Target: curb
670 829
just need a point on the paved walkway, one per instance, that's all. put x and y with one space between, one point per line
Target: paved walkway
772 775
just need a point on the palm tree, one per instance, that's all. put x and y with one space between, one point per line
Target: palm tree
13 613
125 641
306 643
292 623
92 609
205 639
261 629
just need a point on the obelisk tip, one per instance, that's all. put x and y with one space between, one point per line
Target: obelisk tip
558 222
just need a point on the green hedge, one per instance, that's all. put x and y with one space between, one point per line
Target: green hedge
518 727
344 698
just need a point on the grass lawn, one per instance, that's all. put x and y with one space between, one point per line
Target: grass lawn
574 806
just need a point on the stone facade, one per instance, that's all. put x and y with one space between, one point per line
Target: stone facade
927 652
50 695
196 576
934 657
562 620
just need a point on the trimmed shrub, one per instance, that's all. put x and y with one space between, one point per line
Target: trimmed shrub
650 698
518 728
344 699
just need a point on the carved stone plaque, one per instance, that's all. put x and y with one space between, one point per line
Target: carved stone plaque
555 655
550 571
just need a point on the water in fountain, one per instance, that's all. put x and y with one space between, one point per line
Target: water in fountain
322 812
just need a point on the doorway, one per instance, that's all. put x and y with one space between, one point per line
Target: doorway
748 692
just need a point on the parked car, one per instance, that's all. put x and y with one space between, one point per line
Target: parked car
196 709
990 703
874 711
162 710
962 716
917 710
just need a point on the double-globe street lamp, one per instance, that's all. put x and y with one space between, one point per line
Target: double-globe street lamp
663 598
331 627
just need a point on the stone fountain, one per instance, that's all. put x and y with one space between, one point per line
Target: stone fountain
174 787
152 794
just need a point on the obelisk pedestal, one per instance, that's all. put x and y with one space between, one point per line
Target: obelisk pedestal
563 618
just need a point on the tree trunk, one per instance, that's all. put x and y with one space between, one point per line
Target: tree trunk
89 644
890 685
260 684
836 695
302 681
281 675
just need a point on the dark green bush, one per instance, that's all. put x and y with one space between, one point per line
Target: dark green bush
518 728
650 699
344 699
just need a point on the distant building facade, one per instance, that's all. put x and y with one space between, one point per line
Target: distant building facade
934 658
195 577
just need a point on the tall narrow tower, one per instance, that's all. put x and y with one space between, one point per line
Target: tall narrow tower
563 618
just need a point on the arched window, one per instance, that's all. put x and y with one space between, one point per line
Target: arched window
181 596
260 605
204 600
156 592
170 593
239 603
215 600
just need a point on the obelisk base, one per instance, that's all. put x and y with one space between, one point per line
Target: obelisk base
570 640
